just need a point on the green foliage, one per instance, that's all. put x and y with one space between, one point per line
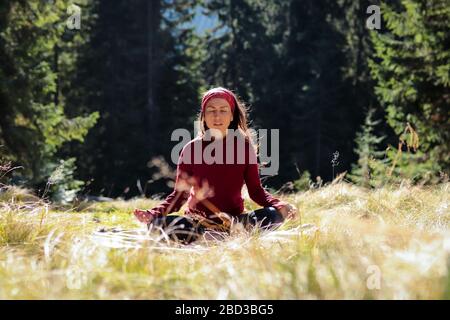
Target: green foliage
411 66
37 55
369 168
396 165
62 185
411 167
304 182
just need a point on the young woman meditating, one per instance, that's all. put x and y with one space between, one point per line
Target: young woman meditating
212 169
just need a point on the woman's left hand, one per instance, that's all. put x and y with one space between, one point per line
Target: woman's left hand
288 211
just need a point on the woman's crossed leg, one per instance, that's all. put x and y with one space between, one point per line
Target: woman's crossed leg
186 229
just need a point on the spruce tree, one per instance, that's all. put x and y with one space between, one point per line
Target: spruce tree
369 168
37 53
411 66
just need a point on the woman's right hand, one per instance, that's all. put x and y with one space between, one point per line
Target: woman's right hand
144 216
288 211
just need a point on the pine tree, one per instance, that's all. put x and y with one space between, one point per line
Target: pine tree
366 172
411 66
37 53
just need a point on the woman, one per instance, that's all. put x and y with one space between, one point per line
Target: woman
212 186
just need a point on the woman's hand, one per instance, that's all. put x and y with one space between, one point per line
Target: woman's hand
288 211
143 216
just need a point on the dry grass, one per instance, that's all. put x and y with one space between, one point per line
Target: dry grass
346 234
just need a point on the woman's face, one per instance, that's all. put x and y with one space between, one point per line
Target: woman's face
218 115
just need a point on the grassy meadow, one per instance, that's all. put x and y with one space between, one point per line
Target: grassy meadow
348 243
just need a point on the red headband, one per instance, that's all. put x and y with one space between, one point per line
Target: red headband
219 93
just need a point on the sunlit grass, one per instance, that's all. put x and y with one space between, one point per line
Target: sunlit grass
98 251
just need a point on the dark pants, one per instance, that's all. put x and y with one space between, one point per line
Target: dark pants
186 230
